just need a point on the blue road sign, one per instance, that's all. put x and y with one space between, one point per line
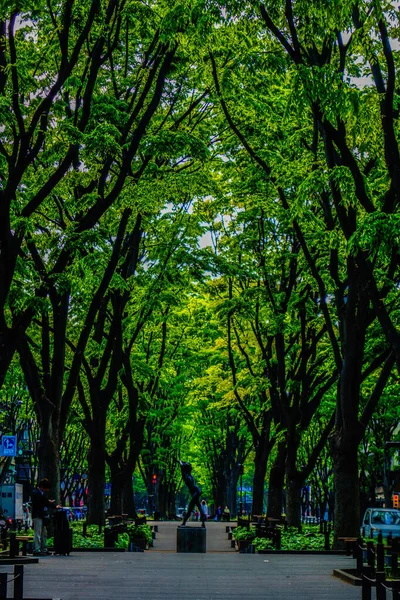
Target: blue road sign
9 447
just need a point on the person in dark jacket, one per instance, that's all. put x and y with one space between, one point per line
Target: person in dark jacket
40 515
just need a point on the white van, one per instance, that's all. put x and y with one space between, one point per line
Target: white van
381 520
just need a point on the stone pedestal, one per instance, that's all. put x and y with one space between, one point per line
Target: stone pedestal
191 539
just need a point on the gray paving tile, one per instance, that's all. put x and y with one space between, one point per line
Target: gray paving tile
166 575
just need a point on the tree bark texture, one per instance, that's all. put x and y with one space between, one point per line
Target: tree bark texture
231 492
49 461
96 474
260 470
347 491
293 502
276 483
128 499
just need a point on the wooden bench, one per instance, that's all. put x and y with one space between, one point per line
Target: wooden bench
115 519
14 544
272 533
350 544
25 539
274 522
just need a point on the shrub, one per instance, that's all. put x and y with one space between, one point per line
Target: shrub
141 532
242 533
263 544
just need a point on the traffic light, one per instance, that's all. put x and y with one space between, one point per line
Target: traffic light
395 501
154 479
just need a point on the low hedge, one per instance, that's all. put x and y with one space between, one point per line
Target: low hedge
94 539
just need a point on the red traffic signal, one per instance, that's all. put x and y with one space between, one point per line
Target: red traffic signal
154 479
395 501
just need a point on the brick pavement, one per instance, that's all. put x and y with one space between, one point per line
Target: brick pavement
163 574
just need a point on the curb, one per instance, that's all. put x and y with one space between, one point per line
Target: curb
346 576
98 550
315 552
18 561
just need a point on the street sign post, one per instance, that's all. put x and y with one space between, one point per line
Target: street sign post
9 446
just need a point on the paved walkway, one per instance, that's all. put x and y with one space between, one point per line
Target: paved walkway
162 574
217 538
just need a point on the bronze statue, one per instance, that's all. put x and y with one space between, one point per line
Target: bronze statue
186 469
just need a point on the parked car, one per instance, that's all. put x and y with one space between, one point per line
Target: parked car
381 520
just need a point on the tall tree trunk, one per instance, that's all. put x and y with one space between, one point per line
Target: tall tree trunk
96 472
162 500
231 491
219 493
347 491
121 481
293 500
348 435
348 431
49 460
117 489
296 478
128 499
235 455
293 478
262 453
276 482
166 493
171 508
260 470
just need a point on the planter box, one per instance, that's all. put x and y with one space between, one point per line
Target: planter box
139 543
244 544
352 575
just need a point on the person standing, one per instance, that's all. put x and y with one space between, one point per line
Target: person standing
205 509
40 516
